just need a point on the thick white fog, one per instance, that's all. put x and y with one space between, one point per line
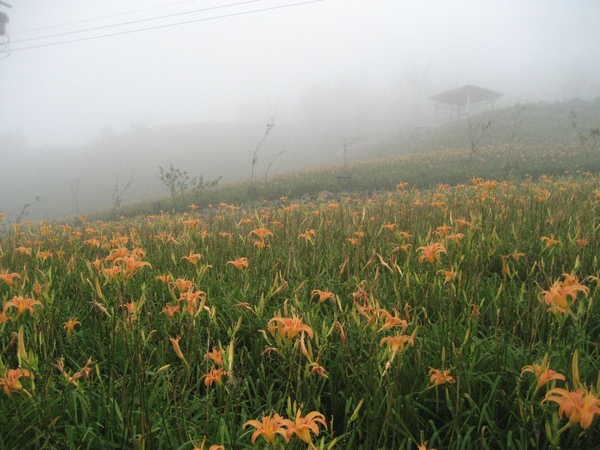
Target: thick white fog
79 79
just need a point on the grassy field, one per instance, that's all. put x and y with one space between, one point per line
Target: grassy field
385 320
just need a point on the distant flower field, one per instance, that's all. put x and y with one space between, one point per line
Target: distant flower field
460 317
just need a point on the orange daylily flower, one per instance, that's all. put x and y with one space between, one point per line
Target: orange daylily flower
215 356
365 309
239 263
395 342
579 406
260 244
268 427
192 223
570 279
117 253
183 285
550 242
44 255
442 230
193 258
517 255
69 325
170 310
97 263
9 278
456 237
164 237
212 447
261 233
562 293
318 369
288 327
323 295
390 320
398 342
131 265
119 241
112 272
307 235
192 296
214 376
229 207
431 253
85 371
303 426
24 250
165 279
93 242
463 223
38 287
543 373
423 446
191 300
449 275
22 304
10 382
438 377
405 247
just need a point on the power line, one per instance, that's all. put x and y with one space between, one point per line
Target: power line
135 21
103 17
170 25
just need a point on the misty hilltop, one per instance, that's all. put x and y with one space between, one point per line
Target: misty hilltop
84 179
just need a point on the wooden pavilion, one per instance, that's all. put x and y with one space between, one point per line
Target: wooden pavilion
461 100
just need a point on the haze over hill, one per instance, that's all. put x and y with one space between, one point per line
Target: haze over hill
91 93
82 179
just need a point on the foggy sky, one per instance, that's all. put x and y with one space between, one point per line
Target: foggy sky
281 62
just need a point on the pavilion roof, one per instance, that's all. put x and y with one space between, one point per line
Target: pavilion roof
468 94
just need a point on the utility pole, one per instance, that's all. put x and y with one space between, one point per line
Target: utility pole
3 19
